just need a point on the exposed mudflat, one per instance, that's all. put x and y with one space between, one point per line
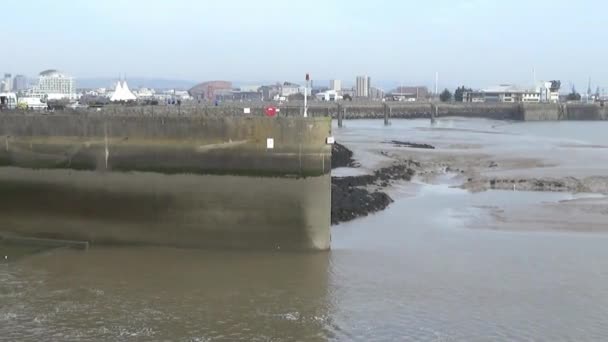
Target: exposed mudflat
493 155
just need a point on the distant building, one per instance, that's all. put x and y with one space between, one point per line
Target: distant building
335 85
362 86
269 92
408 94
376 93
19 83
289 89
7 83
54 85
250 88
208 90
348 92
328 95
317 90
547 92
145 93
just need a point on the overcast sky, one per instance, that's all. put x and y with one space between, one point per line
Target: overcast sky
474 42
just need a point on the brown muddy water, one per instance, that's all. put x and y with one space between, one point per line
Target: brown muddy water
414 272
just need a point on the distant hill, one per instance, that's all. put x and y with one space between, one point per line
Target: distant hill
135 82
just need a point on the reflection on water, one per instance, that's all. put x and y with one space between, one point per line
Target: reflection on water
413 272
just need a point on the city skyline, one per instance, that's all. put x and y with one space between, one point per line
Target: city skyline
350 84
467 41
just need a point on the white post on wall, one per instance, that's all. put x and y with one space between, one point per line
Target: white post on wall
306 96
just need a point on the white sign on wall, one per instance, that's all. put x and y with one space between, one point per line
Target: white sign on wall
270 143
247 110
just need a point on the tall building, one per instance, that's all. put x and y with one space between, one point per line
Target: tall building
362 86
19 83
335 85
7 83
54 85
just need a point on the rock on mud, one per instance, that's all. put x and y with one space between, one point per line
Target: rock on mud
357 196
341 156
348 203
398 143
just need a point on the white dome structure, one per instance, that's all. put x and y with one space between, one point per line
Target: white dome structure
122 93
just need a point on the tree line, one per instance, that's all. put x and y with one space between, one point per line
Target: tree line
446 95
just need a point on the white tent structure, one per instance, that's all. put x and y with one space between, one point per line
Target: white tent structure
122 93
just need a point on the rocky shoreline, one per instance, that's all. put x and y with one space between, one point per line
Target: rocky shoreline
358 196
341 156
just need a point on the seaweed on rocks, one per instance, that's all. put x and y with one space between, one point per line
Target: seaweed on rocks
355 196
348 203
341 156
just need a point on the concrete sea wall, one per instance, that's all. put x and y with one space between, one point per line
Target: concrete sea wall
180 180
403 110
377 110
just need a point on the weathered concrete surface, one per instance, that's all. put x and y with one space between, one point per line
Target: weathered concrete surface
542 112
585 112
167 180
404 110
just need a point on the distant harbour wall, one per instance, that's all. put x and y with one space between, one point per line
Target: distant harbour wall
165 178
401 110
496 111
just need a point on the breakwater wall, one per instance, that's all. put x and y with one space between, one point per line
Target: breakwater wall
165 178
377 110
496 111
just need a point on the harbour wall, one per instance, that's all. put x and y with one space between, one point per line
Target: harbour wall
165 178
377 110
